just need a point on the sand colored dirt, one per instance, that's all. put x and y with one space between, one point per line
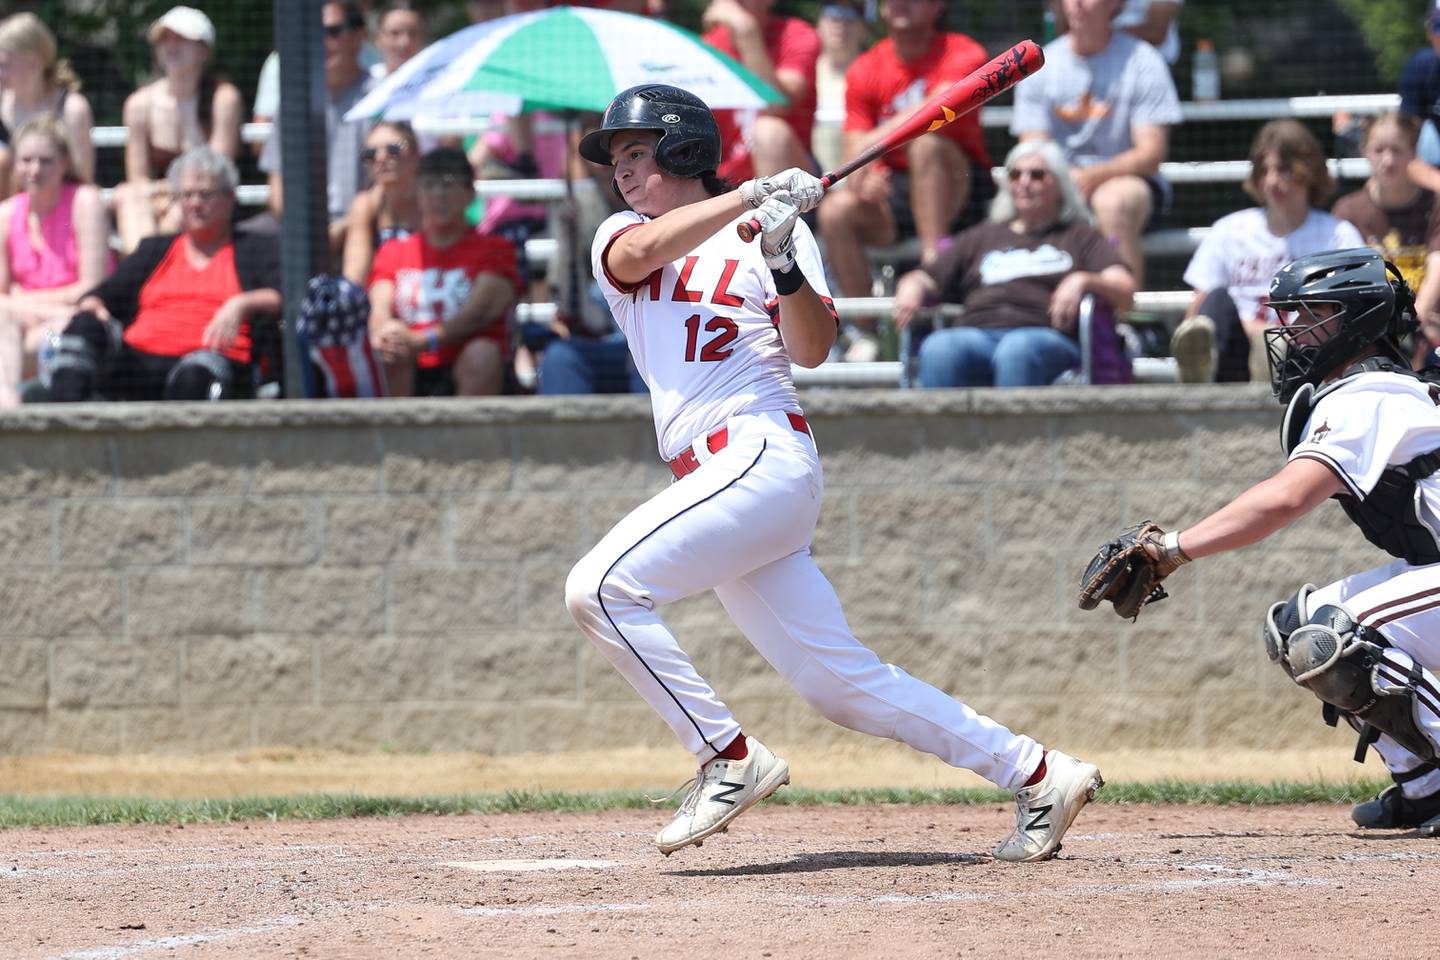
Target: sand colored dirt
1131 881
272 772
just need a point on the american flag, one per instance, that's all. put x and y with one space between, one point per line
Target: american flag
334 329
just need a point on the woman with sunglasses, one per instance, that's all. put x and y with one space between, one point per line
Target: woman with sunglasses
390 208
189 105
440 298
1021 277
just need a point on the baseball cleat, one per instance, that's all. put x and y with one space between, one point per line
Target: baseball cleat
1392 810
723 790
1045 811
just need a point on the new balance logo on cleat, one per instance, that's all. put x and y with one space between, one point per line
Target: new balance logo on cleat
723 796
1045 811
714 801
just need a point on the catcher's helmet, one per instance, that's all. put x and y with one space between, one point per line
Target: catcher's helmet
689 144
1366 303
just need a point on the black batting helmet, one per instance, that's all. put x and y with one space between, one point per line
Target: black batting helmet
1365 303
689 144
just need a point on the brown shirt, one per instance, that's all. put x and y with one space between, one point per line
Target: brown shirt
1404 235
1005 278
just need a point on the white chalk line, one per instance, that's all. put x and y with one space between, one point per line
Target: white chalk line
118 951
529 866
555 910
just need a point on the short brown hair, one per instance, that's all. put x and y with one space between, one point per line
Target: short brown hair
1299 151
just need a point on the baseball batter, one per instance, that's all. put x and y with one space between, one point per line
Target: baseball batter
714 324
1361 428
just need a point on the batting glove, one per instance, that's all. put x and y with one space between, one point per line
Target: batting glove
805 189
777 216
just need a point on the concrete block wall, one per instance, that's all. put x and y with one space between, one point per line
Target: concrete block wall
390 575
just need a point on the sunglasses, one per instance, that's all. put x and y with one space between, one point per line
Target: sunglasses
1035 176
336 30
391 151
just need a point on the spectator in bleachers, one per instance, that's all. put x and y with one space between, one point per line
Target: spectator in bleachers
1021 276
390 208
1420 98
399 35
841 28
1107 98
178 317
782 51
53 247
346 81
188 105
440 298
924 189
1394 215
34 82
267 86
1221 336
1154 21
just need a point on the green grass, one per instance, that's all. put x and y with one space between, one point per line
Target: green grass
33 811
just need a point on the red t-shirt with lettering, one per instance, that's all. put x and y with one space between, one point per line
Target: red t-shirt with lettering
793 45
178 301
432 283
879 85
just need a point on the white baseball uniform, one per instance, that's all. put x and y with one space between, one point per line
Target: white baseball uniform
705 337
1369 422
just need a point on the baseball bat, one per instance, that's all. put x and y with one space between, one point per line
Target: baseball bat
961 97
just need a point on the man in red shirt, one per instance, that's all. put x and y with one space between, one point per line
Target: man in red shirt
439 298
782 51
177 318
923 188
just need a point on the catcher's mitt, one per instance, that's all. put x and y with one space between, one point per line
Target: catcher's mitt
1123 573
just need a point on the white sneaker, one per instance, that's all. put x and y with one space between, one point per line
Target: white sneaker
1045 811
1193 347
723 790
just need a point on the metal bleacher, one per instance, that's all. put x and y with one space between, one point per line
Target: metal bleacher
1170 242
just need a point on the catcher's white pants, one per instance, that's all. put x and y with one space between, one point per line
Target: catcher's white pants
741 525
1402 602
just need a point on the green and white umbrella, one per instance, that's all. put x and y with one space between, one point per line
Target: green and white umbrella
565 58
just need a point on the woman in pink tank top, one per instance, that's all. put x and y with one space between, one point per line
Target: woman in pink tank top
53 248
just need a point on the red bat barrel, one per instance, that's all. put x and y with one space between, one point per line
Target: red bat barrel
961 97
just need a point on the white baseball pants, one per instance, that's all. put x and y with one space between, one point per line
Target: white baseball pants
1402 602
741 525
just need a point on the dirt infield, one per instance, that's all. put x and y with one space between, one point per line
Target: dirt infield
1132 881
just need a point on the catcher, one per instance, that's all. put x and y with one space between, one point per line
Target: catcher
1361 428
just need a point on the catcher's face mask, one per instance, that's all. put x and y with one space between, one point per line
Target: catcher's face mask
1293 345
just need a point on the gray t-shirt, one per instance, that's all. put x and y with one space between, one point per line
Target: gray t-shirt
1089 105
346 138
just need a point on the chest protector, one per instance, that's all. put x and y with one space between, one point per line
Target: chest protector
1389 515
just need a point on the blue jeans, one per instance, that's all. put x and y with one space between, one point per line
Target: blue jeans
983 357
580 365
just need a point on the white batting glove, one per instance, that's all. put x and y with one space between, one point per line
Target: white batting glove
805 189
777 216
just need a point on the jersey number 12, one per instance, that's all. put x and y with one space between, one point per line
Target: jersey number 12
718 348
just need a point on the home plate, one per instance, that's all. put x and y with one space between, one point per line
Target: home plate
529 866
